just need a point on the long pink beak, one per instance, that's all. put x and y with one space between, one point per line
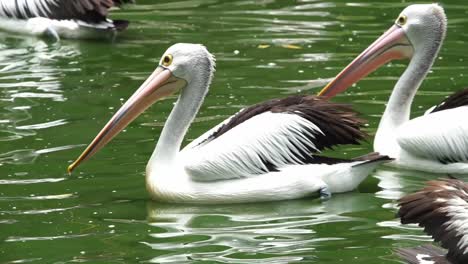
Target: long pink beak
159 84
392 45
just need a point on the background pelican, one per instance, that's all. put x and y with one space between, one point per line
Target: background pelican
442 209
436 142
61 18
268 151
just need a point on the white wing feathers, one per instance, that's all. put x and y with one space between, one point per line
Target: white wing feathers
27 8
279 139
441 135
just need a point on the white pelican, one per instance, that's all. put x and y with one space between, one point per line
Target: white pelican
437 141
265 152
442 209
61 18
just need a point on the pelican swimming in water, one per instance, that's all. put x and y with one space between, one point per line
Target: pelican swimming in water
437 141
269 151
442 209
76 19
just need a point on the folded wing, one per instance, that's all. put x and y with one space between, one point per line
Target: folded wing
91 11
442 209
272 135
440 135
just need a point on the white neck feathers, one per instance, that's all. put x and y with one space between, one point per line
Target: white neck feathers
184 111
398 108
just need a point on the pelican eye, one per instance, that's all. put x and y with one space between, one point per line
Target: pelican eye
167 60
401 20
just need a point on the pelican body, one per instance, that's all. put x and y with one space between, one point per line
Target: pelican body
266 152
442 209
438 140
74 19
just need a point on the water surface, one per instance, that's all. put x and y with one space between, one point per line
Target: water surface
54 98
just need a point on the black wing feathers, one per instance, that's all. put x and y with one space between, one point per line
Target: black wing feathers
338 122
431 209
91 11
455 100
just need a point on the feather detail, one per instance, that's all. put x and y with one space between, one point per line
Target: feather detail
90 11
457 99
272 135
338 121
441 135
442 209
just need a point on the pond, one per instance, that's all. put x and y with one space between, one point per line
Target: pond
55 97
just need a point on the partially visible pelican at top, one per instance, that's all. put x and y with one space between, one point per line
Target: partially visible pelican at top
438 140
442 209
269 151
75 19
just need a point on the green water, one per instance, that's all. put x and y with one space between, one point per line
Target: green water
54 98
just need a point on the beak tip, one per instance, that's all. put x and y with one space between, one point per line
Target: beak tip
70 168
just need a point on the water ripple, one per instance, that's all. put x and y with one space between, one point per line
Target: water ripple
38 212
25 239
39 197
30 181
28 156
248 233
44 125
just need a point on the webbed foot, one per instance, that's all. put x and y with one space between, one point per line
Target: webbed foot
51 33
325 193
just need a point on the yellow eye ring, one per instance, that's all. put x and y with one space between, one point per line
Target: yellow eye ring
401 20
167 60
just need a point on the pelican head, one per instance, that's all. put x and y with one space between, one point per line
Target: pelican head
418 30
180 65
188 62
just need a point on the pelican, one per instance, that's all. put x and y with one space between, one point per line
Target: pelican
438 140
269 151
442 209
73 19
